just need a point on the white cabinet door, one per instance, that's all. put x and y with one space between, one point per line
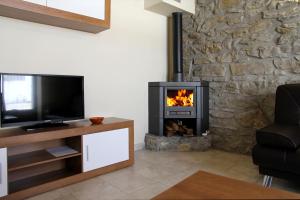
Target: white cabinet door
3 172
41 2
105 148
91 8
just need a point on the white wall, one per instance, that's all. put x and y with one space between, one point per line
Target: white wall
117 64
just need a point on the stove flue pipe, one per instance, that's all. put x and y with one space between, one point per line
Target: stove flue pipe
177 48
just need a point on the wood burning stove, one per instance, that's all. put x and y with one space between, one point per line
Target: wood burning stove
178 107
183 104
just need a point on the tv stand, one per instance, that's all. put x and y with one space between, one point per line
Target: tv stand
44 126
28 168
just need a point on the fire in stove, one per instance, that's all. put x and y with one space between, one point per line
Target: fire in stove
182 97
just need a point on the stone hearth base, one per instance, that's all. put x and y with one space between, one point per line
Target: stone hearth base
158 143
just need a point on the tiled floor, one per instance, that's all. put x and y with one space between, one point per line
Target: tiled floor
154 172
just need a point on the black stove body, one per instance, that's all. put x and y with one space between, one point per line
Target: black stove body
178 104
196 116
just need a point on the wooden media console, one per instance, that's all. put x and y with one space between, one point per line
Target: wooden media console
27 168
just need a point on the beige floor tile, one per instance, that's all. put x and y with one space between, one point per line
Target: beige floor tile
148 193
155 172
217 166
58 194
127 180
96 190
66 197
249 175
45 196
243 170
176 178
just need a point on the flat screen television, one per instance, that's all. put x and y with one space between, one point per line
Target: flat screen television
28 100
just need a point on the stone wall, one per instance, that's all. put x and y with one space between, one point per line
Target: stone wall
245 48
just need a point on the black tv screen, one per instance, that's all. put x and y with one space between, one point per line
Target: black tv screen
31 99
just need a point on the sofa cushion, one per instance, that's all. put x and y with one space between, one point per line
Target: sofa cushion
280 136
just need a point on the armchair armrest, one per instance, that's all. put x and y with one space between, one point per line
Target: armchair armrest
280 136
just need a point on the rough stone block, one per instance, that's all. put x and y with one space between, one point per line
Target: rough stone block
221 114
255 4
283 63
289 64
234 18
225 58
260 26
235 102
212 70
228 123
232 87
240 69
252 119
296 46
284 30
288 12
199 60
229 4
157 143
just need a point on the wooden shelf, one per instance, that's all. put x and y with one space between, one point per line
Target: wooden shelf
39 180
31 159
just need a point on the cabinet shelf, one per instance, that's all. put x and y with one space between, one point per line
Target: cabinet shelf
31 159
22 184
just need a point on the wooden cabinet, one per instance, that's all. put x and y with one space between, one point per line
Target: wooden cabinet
85 15
3 172
28 168
105 148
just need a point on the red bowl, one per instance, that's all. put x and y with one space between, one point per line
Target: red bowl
96 120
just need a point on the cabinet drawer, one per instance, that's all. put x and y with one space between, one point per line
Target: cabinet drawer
3 172
90 8
105 148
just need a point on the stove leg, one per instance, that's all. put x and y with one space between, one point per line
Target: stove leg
267 181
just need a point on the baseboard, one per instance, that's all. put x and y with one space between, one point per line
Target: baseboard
139 146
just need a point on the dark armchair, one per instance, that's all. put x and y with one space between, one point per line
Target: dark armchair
277 152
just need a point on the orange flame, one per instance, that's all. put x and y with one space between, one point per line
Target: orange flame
182 99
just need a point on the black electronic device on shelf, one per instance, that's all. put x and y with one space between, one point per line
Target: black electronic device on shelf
40 101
